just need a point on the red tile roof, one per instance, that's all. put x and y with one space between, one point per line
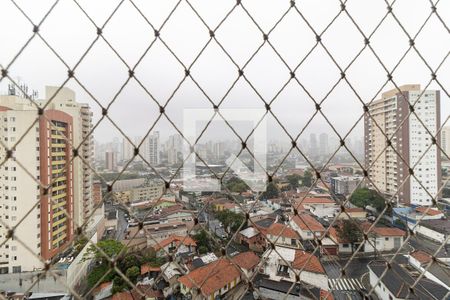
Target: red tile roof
147 268
135 294
307 222
315 200
211 277
185 240
307 262
388 231
326 295
422 256
246 260
278 229
354 209
430 212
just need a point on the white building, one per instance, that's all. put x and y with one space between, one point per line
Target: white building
395 283
285 263
409 138
45 153
152 149
445 141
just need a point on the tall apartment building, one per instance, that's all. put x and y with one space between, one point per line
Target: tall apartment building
44 154
174 144
152 147
388 170
110 160
445 141
323 144
64 100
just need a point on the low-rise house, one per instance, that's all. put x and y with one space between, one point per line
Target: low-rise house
252 238
285 263
381 239
307 226
411 215
355 213
319 206
175 244
438 271
436 230
247 261
214 279
283 235
155 233
395 282
384 239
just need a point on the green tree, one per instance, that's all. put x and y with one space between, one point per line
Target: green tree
203 241
133 273
350 232
236 185
231 221
109 247
363 196
271 191
307 179
294 180
95 276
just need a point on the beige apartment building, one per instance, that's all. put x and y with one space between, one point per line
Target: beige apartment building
411 139
44 154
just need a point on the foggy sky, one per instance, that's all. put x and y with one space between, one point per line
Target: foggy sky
70 33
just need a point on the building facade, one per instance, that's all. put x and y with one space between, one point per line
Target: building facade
409 144
42 185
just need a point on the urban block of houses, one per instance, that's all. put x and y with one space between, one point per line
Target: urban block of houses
307 226
287 263
395 283
218 277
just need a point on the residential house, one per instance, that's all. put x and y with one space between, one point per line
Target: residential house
395 283
307 226
216 278
252 238
381 239
436 230
433 269
283 235
411 215
175 244
319 206
355 213
285 263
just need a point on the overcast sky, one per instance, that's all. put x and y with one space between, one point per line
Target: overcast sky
70 33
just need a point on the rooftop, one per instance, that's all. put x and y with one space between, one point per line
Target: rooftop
398 281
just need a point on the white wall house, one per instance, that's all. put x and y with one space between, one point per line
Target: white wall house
312 270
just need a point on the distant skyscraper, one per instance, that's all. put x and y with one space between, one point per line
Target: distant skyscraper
173 146
323 144
313 147
153 149
110 160
219 150
410 139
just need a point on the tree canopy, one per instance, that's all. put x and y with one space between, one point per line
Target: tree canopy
363 196
350 232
